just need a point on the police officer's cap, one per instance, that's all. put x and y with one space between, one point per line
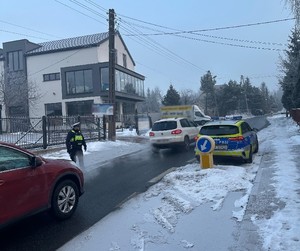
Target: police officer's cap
76 124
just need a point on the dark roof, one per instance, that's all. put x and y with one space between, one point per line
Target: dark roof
1 54
70 43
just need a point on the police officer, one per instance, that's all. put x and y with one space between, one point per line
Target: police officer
74 143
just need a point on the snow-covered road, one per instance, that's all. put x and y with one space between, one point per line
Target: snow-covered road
208 209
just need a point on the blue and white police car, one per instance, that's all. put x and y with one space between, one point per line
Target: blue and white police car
233 138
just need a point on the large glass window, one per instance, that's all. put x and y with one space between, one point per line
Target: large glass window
79 81
104 79
54 109
123 82
79 108
15 61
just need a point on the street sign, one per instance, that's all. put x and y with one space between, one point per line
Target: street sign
205 144
102 109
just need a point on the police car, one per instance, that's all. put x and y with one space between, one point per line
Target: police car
233 138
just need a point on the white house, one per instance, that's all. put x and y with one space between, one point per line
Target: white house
72 74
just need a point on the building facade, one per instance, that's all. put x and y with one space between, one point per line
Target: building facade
66 77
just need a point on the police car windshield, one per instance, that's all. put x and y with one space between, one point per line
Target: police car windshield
164 126
219 130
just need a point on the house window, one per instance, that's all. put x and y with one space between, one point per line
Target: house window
125 60
51 76
17 111
79 108
15 61
53 109
129 84
104 79
79 81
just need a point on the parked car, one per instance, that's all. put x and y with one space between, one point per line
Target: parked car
233 138
173 133
30 184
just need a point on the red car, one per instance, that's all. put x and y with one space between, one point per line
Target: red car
30 184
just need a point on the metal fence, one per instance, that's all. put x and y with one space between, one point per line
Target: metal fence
47 131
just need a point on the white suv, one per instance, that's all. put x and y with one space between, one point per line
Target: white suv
172 133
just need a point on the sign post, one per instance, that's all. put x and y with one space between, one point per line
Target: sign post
206 145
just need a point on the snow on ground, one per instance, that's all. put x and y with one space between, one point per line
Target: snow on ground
169 216
282 230
108 149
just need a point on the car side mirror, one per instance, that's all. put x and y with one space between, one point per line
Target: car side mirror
36 161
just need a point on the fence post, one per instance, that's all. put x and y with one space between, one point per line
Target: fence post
44 128
104 126
136 120
98 128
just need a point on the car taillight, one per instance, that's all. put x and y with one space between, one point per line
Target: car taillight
151 134
196 137
177 131
239 138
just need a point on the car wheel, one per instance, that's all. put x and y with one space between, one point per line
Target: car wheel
186 143
65 199
250 158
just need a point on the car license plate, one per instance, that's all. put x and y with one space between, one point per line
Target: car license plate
162 141
221 147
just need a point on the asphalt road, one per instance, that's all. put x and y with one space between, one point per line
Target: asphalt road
105 189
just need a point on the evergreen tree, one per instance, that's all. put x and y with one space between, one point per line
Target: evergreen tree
172 97
207 87
246 94
229 98
290 81
266 98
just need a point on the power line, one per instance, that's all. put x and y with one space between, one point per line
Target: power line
153 44
193 32
166 50
211 36
68 6
88 9
217 28
24 35
55 63
241 40
217 37
229 44
97 5
26 28
149 45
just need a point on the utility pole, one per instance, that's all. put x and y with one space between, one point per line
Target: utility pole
111 72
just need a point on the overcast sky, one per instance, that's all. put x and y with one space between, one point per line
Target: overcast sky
252 49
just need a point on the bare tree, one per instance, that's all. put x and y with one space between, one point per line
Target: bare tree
189 97
152 102
295 7
17 91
